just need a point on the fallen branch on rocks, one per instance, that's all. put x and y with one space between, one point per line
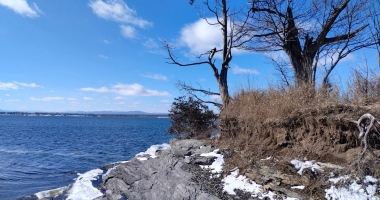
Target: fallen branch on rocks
365 129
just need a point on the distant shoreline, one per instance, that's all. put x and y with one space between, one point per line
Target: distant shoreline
81 114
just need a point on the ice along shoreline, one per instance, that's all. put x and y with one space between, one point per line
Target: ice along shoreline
188 169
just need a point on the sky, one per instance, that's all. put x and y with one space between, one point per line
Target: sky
107 55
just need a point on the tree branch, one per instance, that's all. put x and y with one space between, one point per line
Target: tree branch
345 36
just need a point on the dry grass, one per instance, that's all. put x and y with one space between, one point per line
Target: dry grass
301 123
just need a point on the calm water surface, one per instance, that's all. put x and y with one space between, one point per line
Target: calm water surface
41 153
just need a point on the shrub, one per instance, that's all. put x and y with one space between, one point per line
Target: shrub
191 118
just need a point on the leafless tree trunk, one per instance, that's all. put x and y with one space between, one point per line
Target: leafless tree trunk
233 37
316 33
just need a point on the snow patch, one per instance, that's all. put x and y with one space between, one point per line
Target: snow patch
217 165
370 179
267 158
307 164
299 187
233 181
50 193
109 171
82 187
336 180
353 190
151 151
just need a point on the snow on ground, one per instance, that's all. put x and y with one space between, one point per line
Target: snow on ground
50 193
151 151
352 189
109 170
233 181
236 181
307 164
82 187
270 157
299 187
217 165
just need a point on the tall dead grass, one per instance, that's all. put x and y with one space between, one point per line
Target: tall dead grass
259 106
363 88
279 103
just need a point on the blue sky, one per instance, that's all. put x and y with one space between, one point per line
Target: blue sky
93 55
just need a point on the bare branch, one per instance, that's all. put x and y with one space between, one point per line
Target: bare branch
365 129
191 90
345 36
330 22
187 88
174 61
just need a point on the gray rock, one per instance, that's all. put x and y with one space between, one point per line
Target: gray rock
159 178
184 147
204 149
201 160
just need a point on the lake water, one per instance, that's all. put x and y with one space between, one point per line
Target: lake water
42 153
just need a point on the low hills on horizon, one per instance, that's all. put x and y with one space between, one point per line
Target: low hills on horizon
140 113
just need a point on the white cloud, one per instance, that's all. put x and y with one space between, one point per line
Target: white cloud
119 98
164 101
137 90
71 99
87 98
8 86
7 95
103 56
215 98
128 90
15 85
101 90
128 31
32 85
237 70
0 99
156 77
150 44
120 103
200 37
106 41
47 99
22 7
330 57
13 100
117 10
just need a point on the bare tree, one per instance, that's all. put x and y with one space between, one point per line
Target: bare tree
233 37
313 33
374 13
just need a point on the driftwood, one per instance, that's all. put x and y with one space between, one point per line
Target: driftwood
365 129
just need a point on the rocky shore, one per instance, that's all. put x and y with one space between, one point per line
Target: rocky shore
171 173
191 170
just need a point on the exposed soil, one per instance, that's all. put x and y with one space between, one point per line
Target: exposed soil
326 135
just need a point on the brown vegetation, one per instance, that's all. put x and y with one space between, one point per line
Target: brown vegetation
298 123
